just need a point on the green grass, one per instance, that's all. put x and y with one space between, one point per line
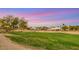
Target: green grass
49 41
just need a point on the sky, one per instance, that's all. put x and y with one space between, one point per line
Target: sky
44 16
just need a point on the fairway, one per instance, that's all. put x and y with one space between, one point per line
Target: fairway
47 41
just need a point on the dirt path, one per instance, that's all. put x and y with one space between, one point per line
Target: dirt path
6 44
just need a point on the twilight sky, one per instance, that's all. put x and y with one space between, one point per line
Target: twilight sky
44 16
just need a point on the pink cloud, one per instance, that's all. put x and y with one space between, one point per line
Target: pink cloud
70 21
47 13
37 21
51 22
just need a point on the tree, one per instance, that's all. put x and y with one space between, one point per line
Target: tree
1 23
44 28
64 27
22 24
8 18
6 27
73 28
9 23
14 23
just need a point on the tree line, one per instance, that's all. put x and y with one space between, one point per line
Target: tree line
62 27
70 28
9 23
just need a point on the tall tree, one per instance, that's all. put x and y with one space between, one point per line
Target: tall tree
22 24
14 23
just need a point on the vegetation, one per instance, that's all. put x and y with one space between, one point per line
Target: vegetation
36 39
46 40
70 28
9 23
64 27
42 28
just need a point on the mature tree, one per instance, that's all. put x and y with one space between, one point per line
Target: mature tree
73 28
6 26
8 18
14 23
22 24
9 23
76 28
1 23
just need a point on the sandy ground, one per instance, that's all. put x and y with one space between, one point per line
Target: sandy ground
71 32
6 44
68 32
